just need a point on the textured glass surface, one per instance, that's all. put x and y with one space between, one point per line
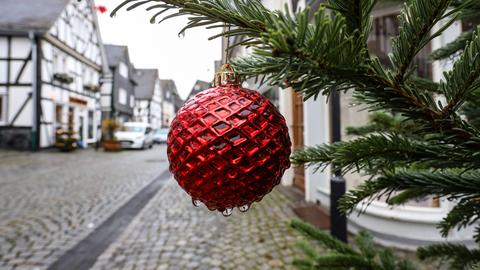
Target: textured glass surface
228 147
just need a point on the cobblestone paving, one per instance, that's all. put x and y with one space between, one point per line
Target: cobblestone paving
49 201
169 233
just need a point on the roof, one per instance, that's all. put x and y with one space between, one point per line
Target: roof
30 15
119 53
198 87
145 79
116 54
169 85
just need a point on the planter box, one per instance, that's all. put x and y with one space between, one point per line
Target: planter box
112 146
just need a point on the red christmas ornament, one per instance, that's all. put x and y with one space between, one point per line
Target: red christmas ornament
228 146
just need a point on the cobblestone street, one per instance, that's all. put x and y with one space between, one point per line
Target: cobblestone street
49 202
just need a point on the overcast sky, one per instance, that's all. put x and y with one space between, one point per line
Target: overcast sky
158 46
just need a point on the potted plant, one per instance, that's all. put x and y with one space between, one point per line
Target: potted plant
65 140
92 87
110 143
63 78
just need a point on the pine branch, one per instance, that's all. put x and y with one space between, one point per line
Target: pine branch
416 23
378 152
341 260
364 242
356 14
460 257
453 47
450 184
383 122
464 78
308 250
250 17
407 195
325 239
465 213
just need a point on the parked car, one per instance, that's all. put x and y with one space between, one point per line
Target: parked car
161 135
135 135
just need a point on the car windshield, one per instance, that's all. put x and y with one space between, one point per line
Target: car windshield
162 131
133 129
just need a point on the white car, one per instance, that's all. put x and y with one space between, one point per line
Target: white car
161 135
135 135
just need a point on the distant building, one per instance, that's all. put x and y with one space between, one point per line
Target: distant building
198 87
177 101
148 97
51 62
118 92
171 101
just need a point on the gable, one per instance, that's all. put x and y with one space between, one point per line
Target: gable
77 28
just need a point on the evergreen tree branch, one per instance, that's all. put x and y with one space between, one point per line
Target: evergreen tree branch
416 23
453 47
325 239
342 260
464 78
465 213
378 152
383 122
450 184
460 257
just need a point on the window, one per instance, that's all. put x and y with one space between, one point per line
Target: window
58 114
380 44
123 70
122 96
132 101
90 125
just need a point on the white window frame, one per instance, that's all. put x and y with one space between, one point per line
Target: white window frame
122 96
123 70
132 101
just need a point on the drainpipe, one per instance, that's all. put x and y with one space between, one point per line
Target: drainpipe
36 92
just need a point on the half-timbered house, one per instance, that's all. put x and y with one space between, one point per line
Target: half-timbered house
118 92
171 101
51 64
148 97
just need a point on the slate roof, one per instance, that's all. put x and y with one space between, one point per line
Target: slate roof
170 86
198 87
145 79
116 54
30 15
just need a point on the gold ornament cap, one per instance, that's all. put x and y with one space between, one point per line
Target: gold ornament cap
226 76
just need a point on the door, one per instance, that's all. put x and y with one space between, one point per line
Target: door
298 143
81 130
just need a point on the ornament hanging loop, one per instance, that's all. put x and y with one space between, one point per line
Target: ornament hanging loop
226 76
